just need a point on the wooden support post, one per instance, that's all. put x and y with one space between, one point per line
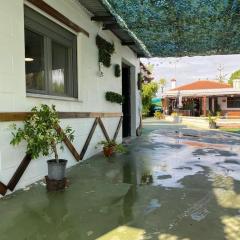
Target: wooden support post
118 128
19 172
103 18
85 147
69 145
3 189
103 129
204 103
128 43
112 26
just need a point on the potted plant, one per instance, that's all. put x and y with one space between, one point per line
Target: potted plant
111 147
212 121
42 133
158 115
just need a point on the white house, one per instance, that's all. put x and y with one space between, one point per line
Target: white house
49 55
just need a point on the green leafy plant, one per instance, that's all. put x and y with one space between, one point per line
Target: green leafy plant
105 50
146 178
235 75
117 148
149 90
158 115
42 133
212 120
117 70
114 97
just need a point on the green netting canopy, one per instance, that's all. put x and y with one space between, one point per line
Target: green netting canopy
183 27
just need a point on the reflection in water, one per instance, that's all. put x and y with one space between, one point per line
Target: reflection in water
146 178
129 176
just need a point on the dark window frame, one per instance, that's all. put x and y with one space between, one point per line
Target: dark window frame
52 32
233 102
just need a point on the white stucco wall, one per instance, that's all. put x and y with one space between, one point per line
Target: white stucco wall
91 87
222 101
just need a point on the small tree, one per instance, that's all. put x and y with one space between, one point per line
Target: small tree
149 90
162 83
42 133
235 75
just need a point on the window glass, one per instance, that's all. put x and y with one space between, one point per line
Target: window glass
34 60
59 68
50 56
233 102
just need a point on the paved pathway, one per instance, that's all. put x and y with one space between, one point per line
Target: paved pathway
174 183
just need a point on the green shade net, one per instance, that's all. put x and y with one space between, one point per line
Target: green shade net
183 27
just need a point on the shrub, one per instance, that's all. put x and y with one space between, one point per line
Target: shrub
158 115
41 132
105 50
114 97
117 70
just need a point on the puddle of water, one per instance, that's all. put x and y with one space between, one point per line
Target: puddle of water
153 205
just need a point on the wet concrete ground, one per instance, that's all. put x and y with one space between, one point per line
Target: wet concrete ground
174 183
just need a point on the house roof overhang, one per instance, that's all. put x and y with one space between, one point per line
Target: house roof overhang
203 92
102 11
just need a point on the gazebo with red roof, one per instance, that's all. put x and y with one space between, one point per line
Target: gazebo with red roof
203 96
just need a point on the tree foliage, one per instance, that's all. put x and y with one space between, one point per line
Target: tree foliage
149 90
235 75
162 83
41 132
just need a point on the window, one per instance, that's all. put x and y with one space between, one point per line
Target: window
233 102
50 57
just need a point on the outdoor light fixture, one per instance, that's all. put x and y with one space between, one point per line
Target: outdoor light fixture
27 59
100 72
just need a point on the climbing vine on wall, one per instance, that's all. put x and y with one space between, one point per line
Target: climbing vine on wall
105 51
114 97
117 70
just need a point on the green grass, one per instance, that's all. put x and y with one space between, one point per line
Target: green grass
232 130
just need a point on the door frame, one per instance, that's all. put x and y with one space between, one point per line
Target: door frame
133 89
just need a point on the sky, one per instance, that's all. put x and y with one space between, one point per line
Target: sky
189 69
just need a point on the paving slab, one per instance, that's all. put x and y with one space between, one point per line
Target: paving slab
174 183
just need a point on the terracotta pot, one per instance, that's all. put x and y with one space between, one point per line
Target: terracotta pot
108 151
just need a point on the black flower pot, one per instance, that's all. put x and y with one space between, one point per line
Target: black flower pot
56 170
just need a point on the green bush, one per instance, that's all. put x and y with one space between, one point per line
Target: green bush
41 132
149 90
105 50
114 97
117 70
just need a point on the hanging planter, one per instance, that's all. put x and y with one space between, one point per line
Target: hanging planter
105 51
140 80
117 70
114 97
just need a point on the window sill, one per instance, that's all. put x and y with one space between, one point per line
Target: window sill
51 97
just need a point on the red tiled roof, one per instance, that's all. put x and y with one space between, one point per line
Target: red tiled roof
202 84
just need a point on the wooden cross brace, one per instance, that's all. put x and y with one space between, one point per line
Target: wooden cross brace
78 156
